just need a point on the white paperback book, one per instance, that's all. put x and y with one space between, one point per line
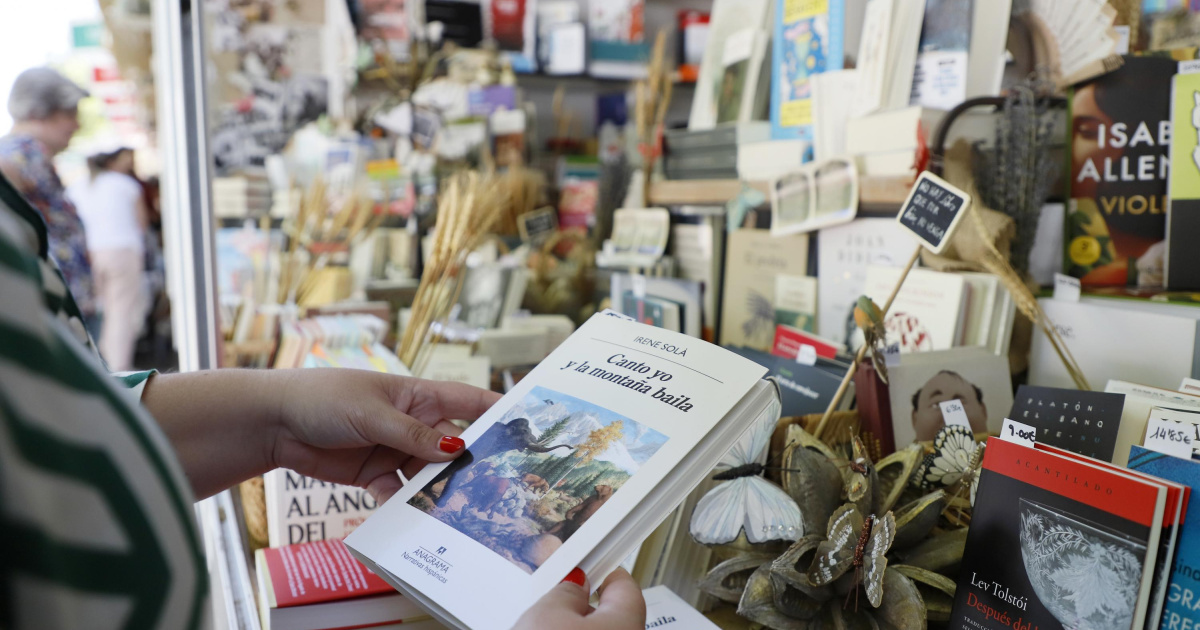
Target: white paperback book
575 466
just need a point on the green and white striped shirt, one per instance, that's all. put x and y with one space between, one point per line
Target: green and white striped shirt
96 517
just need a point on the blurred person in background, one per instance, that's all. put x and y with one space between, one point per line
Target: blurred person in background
113 209
43 104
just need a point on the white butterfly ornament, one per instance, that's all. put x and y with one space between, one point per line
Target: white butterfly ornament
746 501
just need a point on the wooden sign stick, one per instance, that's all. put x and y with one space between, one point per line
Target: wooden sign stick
862 351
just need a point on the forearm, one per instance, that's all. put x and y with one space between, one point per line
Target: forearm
222 423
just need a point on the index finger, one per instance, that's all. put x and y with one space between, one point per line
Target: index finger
621 602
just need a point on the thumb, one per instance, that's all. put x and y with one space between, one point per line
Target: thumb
406 434
570 595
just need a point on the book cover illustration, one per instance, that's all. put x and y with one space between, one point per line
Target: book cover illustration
922 381
538 474
1183 594
737 61
642 310
796 301
753 260
844 252
808 41
1081 422
940 76
1183 188
1116 215
1083 536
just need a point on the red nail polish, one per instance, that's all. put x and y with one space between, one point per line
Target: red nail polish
451 444
576 576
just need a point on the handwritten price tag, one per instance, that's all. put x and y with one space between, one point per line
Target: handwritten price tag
953 413
1169 437
891 355
1018 433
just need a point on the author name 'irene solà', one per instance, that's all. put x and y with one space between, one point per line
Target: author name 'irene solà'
1006 595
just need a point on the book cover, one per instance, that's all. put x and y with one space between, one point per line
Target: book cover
728 18
1183 188
917 386
803 389
796 301
940 76
301 509
927 312
740 59
1055 543
1078 421
1158 346
512 27
572 468
844 252
1140 400
753 259
1183 583
1116 214
788 341
808 41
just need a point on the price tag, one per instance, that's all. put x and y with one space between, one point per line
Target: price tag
1189 66
932 211
1018 433
891 355
1189 386
1169 437
953 413
807 355
1066 288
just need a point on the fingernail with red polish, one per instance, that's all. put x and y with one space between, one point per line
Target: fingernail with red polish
451 444
576 576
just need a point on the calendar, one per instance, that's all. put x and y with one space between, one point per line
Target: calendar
1078 421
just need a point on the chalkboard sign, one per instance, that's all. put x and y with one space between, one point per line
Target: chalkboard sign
932 211
537 225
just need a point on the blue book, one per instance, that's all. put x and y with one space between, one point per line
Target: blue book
1183 590
807 40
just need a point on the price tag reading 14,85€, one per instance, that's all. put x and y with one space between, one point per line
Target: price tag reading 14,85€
1169 437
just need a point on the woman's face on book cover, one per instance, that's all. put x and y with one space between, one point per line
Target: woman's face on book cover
946 386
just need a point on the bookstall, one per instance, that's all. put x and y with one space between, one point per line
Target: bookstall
809 314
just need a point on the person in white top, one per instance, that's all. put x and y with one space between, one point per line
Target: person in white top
111 205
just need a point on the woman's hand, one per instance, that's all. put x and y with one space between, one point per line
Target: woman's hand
351 427
357 428
621 606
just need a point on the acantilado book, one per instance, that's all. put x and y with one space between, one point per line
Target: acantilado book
575 466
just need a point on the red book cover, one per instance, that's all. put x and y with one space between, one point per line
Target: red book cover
318 572
788 341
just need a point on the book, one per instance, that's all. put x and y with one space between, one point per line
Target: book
761 161
1184 581
684 297
727 18
803 389
698 245
1173 512
796 301
832 101
917 386
574 467
740 62
652 311
843 254
665 609
617 39
1015 565
903 43
788 341
891 131
927 313
511 25
1078 421
1182 269
753 259
989 45
320 586
1156 342
940 76
808 41
301 509
1116 212
1139 401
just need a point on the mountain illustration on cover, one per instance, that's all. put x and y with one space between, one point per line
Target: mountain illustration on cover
534 478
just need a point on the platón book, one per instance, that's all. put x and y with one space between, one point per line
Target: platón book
320 586
575 466
1080 422
1056 543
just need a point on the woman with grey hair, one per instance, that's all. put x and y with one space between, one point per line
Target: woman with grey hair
43 104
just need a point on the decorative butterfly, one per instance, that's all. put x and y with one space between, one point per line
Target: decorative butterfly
858 542
746 500
955 456
869 318
858 472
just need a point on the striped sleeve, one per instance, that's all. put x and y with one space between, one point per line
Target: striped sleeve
134 382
